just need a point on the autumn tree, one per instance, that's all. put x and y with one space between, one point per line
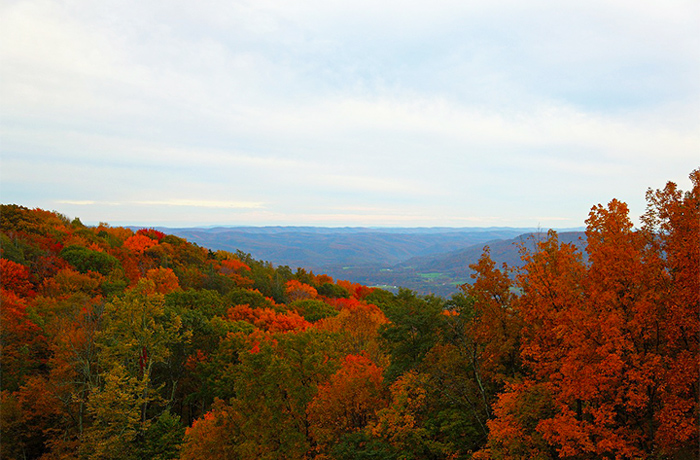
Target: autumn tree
22 342
402 425
358 324
608 345
347 402
296 290
673 221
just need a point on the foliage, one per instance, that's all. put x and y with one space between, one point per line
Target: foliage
118 344
85 260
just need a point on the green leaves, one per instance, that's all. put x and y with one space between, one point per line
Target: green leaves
85 259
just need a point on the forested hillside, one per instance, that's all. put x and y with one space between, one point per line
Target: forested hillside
122 344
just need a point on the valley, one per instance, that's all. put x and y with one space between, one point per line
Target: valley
425 260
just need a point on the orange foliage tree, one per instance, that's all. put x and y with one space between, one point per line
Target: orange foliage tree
139 243
348 401
299 291
164 280
611 347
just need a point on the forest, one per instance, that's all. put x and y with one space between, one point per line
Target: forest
123 344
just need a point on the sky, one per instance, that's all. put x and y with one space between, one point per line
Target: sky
346 113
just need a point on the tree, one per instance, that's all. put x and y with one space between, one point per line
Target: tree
85 260
673 220
164 279
22 342
358 324
15 278
299 291
347 402
275 380
118 424
402 423
413 330
137 335
610 348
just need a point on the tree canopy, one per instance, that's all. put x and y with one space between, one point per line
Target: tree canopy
139 345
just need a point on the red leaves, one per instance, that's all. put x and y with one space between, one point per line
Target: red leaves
358 291
21 340
15 278
268 319
237 271
151 233
614 342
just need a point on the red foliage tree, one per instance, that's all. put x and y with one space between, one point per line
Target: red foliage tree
139 243
21 341
15 278
268 319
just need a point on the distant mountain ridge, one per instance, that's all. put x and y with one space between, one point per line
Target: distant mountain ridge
316 247
442 274
427 260
502 251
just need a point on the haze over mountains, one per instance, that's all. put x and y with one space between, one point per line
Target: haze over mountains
427 260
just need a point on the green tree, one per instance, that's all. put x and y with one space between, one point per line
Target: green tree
137 336
414 328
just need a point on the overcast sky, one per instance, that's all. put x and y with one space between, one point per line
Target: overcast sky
346 113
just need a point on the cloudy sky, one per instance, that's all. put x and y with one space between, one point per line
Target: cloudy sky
345 113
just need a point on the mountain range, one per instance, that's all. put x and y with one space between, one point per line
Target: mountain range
426 260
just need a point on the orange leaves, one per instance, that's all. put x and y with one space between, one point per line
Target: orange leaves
268 319
151 233
512 432
398 423
495 329
299 291
139 243
320 280
359 322
164 279
209 436
358 291
68 281
237 271
20 339
348 401
230 266
604 338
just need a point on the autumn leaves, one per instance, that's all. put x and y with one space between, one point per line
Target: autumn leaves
124 345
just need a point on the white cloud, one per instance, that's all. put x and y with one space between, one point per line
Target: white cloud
203 204
476 106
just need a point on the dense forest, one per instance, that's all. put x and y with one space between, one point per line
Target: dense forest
122 344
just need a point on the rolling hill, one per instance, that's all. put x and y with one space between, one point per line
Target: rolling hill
427 260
